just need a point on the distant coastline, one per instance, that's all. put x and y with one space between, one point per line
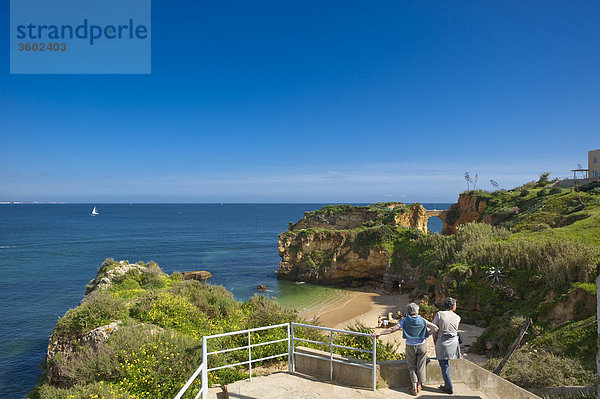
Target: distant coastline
28 202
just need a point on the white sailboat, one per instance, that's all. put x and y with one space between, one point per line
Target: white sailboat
94 212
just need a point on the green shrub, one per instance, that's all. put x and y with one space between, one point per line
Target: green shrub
374 237
98 309
213 300
538 369
266 312
95 390
318 259
525 192
501 333
167 310
159 367
590 186
572 339
332 210
543 180
541 226
556 190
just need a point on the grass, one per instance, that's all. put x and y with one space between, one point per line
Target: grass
538 369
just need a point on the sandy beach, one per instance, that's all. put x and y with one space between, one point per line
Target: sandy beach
365 307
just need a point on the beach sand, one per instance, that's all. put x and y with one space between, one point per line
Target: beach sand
364 307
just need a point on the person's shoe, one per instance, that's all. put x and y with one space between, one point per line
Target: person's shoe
414 392
446 390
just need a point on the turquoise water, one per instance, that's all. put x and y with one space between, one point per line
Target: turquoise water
303 297
49 252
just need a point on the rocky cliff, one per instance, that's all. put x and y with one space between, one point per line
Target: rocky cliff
467 209
330 257
346 245
346 217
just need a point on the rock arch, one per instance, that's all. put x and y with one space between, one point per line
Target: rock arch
440 214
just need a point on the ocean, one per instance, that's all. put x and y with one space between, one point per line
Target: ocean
48 252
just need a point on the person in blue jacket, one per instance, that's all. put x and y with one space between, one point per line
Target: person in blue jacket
415 330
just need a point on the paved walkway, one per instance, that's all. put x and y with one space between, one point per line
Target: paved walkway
283 385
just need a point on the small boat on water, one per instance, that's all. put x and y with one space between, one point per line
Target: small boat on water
94 212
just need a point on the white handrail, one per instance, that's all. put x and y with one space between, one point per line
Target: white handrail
291 353
331 345
189 382
203 369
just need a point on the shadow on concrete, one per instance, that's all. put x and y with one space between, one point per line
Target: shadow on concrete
421 396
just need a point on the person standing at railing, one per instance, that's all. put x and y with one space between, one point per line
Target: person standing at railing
446 340
415 329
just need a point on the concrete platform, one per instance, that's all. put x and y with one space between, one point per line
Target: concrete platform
283 385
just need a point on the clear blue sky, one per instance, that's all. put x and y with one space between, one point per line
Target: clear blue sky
313 101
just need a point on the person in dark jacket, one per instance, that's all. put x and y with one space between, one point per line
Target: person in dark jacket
415 330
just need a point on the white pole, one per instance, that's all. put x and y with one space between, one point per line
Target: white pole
374 364
250 356
330 355
293 342
289 353
204 378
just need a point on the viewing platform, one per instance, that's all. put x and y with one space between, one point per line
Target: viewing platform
314 373
284 385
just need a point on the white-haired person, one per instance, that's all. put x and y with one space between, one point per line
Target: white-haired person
446 340
415 330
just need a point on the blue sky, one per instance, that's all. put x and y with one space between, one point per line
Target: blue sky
313 101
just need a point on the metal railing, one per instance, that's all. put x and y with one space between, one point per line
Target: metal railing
331 345
203 369
291 353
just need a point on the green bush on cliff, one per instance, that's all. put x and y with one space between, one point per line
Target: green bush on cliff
374 237
97 310
157 344
213 300
318 259
537 369
479 244
95 390
331 210
171 311
572 337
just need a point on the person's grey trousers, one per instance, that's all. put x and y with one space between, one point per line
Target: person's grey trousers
416 361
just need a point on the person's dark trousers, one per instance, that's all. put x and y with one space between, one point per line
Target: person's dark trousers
446 374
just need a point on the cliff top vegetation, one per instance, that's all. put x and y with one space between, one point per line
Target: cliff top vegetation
138 334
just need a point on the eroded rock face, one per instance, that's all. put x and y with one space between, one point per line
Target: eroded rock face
467 209
577 303
329 257
201 275
101 333
351 217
